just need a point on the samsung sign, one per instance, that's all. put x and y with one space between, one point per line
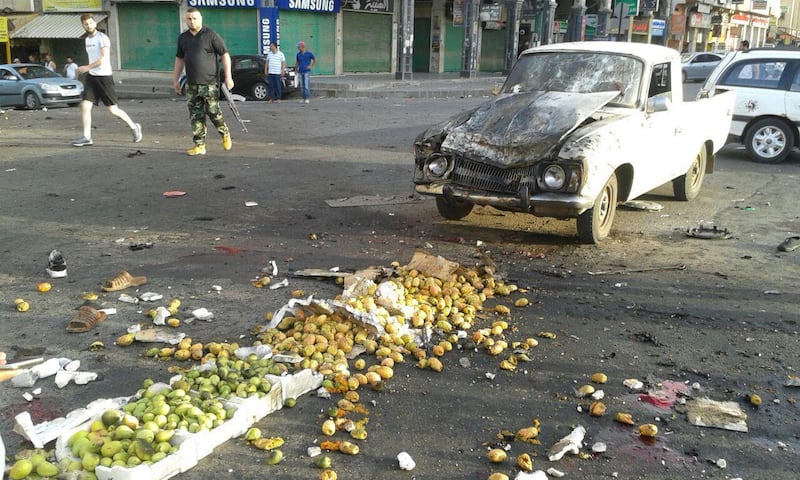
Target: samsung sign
324 6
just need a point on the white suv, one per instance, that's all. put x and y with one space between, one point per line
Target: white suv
766 114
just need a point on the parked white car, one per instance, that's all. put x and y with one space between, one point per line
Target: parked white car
576 128
767 108
698 65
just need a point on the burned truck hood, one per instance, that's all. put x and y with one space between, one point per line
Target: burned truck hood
521 128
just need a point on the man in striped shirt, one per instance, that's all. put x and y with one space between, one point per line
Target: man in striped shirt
276 66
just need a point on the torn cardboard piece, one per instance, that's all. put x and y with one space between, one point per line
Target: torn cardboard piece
434 266
705 412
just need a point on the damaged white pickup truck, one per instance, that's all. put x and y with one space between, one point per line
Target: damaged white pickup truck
576 128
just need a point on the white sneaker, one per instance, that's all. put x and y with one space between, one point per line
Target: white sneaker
306 100
137 133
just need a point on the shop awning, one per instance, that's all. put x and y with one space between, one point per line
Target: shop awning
54 26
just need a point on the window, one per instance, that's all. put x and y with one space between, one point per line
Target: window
660 84
758 74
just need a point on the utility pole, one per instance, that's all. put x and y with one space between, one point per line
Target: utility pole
405 41
603 19
469 51
512 33
548 18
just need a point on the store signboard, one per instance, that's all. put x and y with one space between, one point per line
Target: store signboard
4 29
49 6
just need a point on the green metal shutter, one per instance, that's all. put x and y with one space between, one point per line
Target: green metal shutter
237 26
421 61
317 30
149 38
367 45
454 40
493 46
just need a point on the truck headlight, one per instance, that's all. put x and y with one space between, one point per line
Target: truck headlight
553 178
437 165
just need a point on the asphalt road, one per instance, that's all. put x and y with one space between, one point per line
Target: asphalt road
726 323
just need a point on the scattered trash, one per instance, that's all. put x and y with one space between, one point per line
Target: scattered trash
537 475
792 381
250 204
141 246
275 267
124 297
313 451
643 205
202 314
709 233
790 244
282 283
174 193
556 473
160 316
772 292
633 384
150 296
721 463
318 272
704 412
599 447
158 335
216 288
370 200
572 443
405 461
679 266
63 377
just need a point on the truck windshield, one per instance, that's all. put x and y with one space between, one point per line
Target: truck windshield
579 72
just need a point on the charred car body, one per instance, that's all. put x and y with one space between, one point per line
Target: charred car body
576 128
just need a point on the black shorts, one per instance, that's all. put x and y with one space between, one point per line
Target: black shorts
98 88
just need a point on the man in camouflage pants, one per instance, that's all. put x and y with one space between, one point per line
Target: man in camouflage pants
198 49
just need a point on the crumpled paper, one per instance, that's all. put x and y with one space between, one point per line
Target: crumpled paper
705 412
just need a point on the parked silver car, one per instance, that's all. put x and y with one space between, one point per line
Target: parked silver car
698 65
30 85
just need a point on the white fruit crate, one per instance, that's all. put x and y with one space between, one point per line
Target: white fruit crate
192 447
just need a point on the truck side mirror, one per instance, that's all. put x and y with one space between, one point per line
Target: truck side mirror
657 104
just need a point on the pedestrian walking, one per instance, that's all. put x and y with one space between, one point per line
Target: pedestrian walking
199 48
70 69
276 68
99 84
305 61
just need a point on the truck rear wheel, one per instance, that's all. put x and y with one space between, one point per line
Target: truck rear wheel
687 186
769 141
453 210
594 224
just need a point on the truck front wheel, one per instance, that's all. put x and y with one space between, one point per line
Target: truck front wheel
453 210
769 141
595 224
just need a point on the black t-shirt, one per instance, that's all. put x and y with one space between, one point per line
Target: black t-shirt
199 53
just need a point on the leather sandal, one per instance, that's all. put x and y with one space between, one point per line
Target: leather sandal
85 319
122 281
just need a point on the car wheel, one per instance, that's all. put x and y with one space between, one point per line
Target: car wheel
453 210
32 101
769 141
595 224
687 186
260 91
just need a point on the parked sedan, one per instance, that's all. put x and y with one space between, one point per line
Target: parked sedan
29 85
698 65
250 80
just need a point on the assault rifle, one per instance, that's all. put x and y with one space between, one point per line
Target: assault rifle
234 109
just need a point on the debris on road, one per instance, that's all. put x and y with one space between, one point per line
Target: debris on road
704 412
704 232
571 443
405 461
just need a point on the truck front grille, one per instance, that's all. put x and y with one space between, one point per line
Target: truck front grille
471 174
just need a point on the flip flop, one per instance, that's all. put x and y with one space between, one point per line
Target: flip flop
122 281
790 244
85 319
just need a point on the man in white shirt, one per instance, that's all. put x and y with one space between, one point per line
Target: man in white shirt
69 69
276 66
99 84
